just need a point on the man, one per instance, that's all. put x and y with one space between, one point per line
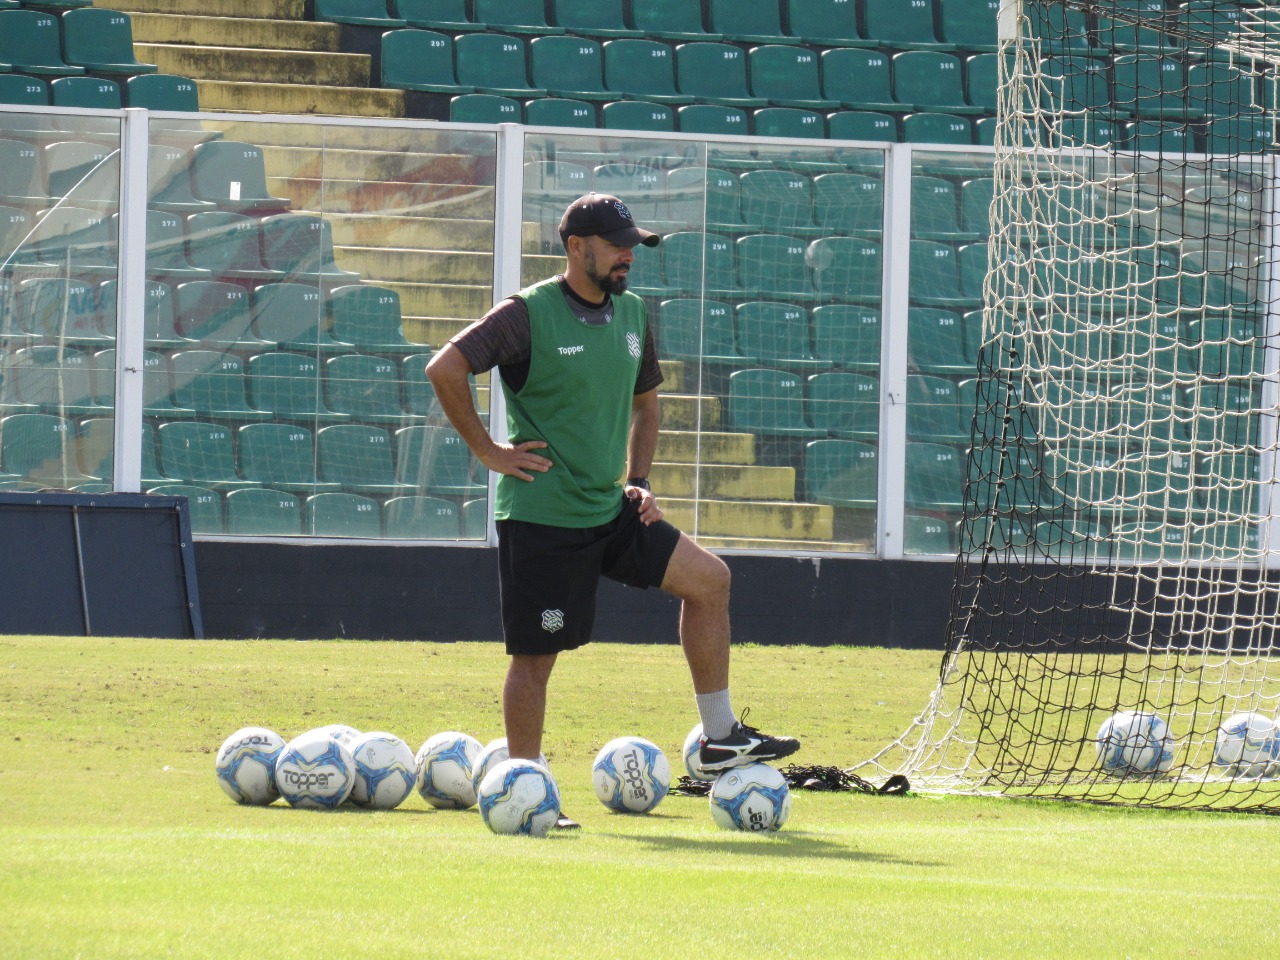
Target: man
580 376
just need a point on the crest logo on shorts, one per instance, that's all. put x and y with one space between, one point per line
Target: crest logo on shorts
552 620
633 345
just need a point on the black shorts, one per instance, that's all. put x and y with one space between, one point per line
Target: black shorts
549 575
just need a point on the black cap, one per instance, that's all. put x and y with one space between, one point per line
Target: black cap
604 215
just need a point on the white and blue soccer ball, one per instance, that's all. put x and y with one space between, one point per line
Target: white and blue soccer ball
315 771
344 734
246 765
631 775
1135 743
386 771
492 754
445 764
754 797
1248 745
692 751
519 797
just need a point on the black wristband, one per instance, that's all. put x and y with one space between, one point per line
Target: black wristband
641 482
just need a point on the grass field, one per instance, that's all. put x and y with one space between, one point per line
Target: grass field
119 843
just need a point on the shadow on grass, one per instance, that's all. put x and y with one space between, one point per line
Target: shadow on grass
785 844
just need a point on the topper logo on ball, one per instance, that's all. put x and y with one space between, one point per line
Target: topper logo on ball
631 773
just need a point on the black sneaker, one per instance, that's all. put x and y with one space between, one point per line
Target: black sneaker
564 823
743 745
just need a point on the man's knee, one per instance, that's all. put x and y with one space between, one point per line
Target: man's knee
697 574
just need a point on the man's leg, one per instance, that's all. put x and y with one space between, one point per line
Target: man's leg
524 703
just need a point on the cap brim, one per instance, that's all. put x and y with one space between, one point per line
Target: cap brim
632 236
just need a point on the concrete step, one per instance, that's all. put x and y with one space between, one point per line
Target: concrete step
247 9
706 447
213 31
688 412
749 521
449 200
722 482
383 163
673 377
418 266
412 233
283 98
406 136
248 65
442 300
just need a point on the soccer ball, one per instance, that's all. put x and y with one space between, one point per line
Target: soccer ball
386 771
519 796
494 752
246 765
315 771
444 770
754 797
1132 742
631 775
347 736
692 748
1248 743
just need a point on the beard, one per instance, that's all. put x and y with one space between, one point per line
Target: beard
606 281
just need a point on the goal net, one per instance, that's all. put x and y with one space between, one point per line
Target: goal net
1116 549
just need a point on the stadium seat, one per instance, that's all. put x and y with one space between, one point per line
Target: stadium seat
364 387
670 20
86 93
15 225
715 73
697 330
24 91
787 77
363 13
551 185
514 16
1150 86
696 193
758 22
169 181
101 41
847 335
684 256
359 457
436 460
1129 33
825 23
215 314
201 453
775 265
842 473
204 506
368 317
984 131
56 310
291 315
419 60
969 24
167 248
559 112
900 23
419 394
475 519
926 535
79 240
300 247
975 205
642 68
937 342
156 388
1089 131
226 244
776 334
1157 136
446 15
847 269
931 81
162 91
981 81
211 383
568 67
233 175
861 80
31 42
343 515
52 379
493 63
288 386
788 122
421 518
83 172
1251 133
1060 29
779 200
484 108
936 128
865 125
638 115
157 323
843 404
592 18
40 448
263 513
643 187
934 410
1222 90
848 203
934 477
935 276
95 449
713 118
281 455
769 402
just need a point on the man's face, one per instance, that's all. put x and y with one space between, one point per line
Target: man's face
606 264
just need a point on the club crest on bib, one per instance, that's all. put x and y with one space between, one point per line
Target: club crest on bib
633 345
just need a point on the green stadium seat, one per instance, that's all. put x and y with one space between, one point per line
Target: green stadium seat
169 181
86 93
157 323
975 205
419 60
697 330
362 13
264 513
95 449
215 314
842 473
695 192
847 269
1060 29
447 15
233 175
201 453
774 265
780 200
848 204
931 81
715 73
436 460
1116 33
211 383
982 81
1229 483
56 310
1251 133
900 23
31 42
984 131
936 342
52 379
101 41
1151 86
162 91
847 335
41 449
287 386
936 276
364 387
204 506
1089 131
568 67
343 515
493 63
24 91
157 400
644 69
1222 90
1158 136
77 239
860 79
969 24
559 112
291 315
1225 415
592 18
300 247
670 20
643 186
713 118
934 410
684 255
769 402
419 394
368 317
935 210
475 519
934 477
15 225
281 455
923 534
551 185
484 108
514 16
359 457
776 334
936 128
826 23
638 115
843 404
1075 83
787 76
759 22
167 248
866 125
421 518
788 122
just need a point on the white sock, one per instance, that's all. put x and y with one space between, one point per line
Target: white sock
716 712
